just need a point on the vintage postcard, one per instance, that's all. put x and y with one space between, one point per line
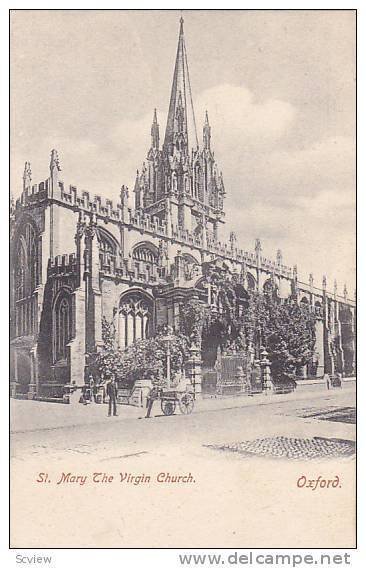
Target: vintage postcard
182 276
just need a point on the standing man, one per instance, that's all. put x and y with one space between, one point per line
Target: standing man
112 393
153 395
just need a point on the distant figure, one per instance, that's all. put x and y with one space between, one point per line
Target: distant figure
112 393
91 388
326 378
153 395
340 377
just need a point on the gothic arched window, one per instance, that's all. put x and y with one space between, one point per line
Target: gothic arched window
146 257
107 251
251 282
318 309
62 327
135 319
191 266
26 279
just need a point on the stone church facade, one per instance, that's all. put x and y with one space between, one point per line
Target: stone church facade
78 258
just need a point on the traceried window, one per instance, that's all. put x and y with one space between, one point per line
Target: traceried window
318 309
145 256
62 330
251 283
107 251
191 266
134 319
26 279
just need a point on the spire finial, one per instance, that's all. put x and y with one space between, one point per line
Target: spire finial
207 133
258 246
123 194
54 161
155 136
27 175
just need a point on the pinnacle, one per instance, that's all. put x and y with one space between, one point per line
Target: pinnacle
27 169
55 162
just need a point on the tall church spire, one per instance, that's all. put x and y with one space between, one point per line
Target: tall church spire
181 117
180 168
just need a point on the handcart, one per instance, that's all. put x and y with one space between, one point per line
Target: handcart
170 399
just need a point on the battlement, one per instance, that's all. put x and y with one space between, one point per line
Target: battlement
89 203
62 264
104 208
145 222
185 236
249 258
306 288
129 271
37 192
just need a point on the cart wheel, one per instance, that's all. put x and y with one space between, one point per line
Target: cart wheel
168 407
186 403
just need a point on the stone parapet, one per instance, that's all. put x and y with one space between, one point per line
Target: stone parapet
62 264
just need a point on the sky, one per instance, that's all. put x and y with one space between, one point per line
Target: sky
279 88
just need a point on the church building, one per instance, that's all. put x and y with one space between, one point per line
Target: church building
78 258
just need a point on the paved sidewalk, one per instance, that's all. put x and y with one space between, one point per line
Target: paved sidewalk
28 415
261 399
33 415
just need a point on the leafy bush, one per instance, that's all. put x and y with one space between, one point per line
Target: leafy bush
145 358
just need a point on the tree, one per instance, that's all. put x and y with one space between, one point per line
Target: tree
145 358
284 328
287 331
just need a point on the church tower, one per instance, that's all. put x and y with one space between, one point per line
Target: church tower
180 182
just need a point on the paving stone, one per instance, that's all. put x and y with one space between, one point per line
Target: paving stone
291 448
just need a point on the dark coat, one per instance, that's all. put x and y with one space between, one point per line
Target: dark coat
112 390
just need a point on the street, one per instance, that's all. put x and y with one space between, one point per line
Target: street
245 458
212 422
